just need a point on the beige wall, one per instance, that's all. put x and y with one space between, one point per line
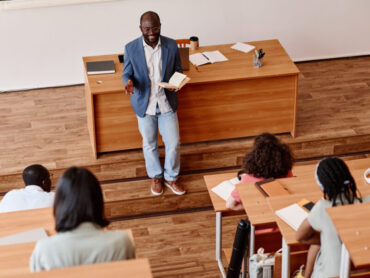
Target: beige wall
42 47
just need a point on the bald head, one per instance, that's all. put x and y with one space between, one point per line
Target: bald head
150 15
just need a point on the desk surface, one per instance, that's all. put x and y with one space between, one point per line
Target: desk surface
239 66
352 223
219 204
22 221
280 202
14 259
257 207
139 268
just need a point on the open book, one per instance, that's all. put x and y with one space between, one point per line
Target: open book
207 57
294 214
177 81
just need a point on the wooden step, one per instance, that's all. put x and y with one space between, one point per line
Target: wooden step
205 156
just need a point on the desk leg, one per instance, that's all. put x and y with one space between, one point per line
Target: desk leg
251 241
219 243
345 263
285 263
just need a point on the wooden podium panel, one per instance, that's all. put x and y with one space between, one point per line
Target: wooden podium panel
224 100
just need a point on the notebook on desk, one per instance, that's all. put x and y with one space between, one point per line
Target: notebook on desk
271 187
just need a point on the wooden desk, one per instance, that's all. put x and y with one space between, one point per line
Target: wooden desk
22 221
352 223
258 209
212 106
14 259
288 234
219 206
139 268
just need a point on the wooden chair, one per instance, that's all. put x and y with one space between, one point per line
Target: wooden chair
183 42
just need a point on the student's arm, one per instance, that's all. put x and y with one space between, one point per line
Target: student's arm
231 203
307 235
311 258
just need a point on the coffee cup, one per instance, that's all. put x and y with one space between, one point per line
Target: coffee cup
194 43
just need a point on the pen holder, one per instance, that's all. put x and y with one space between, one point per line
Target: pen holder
257 62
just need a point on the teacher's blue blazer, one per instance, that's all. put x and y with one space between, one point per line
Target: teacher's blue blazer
135 68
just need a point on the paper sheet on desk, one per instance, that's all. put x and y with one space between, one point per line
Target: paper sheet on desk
243 47
28 236
225 188
293 215
215 56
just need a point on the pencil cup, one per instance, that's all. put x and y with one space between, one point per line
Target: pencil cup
194 43
257 63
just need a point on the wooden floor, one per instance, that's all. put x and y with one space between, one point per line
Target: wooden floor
48 126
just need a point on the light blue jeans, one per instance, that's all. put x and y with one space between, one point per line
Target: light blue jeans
168 126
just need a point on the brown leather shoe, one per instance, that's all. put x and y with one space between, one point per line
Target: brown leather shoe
175 186
156 186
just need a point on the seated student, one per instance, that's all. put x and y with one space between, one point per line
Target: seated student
35 195
79 221
268 159
339 188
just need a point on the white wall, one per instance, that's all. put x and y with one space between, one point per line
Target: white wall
42 47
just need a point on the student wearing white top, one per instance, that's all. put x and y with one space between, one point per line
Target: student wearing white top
35 195
79 221
339 188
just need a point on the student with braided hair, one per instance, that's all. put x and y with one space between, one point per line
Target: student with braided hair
269 158
339 188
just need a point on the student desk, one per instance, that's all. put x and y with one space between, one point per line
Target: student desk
221 210
288 234
25 220
138 268
352 223
257 206
230 99
14 259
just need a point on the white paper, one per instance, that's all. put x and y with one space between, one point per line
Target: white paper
28 236
215 56
225 188
176 79
243 47
198 59
293 215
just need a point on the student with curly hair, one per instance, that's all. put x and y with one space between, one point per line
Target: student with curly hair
79 221
269 158
339 188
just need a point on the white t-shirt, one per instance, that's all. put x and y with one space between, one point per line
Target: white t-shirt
328 259
30 197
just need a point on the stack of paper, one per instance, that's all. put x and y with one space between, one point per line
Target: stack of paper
243 47
225 188
293 215
207 57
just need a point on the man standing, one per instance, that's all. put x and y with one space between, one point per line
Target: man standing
35 195
149 59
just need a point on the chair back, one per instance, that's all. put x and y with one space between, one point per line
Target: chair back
183 42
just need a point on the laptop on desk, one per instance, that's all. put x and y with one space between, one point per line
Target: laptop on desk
184 57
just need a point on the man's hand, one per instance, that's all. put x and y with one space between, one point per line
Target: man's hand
129 87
